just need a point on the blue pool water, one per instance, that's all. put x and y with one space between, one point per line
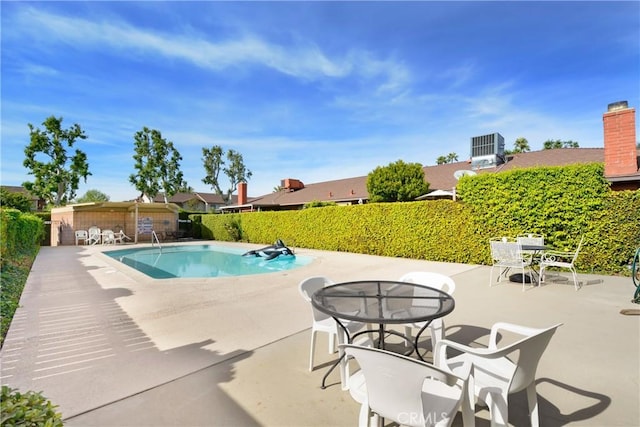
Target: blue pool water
201 261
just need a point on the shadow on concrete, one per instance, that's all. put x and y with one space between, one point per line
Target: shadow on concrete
71 340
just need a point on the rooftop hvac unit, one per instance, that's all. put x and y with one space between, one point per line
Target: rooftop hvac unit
487 151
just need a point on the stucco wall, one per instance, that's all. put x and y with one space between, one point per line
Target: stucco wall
65 221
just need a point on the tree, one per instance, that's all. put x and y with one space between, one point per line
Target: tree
397 182
551 144
93 196
157 163
521 145
57 176
234 168
449 158
20 201
185 188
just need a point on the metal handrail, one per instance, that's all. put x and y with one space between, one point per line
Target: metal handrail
153 234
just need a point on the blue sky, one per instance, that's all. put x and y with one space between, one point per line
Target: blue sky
310 90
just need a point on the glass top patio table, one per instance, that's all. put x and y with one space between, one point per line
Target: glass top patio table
383 302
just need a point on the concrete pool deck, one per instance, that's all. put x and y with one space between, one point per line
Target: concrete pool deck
112 347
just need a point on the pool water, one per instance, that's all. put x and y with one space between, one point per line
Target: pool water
201 261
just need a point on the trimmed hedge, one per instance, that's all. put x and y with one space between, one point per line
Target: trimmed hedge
20 233
563 203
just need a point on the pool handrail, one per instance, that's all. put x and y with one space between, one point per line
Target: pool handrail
153 234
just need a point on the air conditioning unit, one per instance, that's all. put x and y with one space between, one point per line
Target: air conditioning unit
487 151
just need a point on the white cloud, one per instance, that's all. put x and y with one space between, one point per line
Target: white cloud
304 60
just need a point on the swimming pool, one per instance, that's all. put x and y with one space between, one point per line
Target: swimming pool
201 261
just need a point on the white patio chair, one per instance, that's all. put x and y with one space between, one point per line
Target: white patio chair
324 323
407 391
120 237
81 235
433 280
499 371
530 239
108 237
561 260
94 235
507 254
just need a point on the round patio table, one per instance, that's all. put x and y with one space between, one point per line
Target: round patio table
533 277
382 302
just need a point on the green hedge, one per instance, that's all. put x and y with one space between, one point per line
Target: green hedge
19 237
563 203
20 233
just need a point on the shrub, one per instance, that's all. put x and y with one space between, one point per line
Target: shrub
30 409
563 203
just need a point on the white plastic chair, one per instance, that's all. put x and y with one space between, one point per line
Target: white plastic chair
507 254
120 237
94 235
407 391
561 260
81 235
324 323
433 280
499 371
108 237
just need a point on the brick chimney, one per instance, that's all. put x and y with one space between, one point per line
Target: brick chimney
242 193
620 152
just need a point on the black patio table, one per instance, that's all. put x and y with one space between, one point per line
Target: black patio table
382 302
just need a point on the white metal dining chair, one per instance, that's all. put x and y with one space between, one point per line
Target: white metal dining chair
499 371
407 391
531 239
507 254
560 259
433 280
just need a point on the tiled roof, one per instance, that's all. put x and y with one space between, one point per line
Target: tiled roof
19 189
209 198
340 190
439 177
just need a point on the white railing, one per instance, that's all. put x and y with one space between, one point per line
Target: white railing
154 235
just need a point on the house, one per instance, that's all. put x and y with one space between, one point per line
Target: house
203 202
37 204
620 155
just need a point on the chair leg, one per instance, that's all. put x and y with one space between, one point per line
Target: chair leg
532 400
498 409
575 278
363 419
312 350
437 331
332 343
469 403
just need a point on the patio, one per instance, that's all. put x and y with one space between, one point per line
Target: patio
112 347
